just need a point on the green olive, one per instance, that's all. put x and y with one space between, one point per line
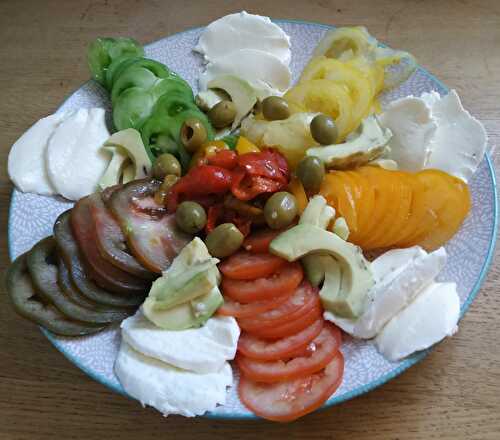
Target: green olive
275 108
324 130
224 240
222 114
193 134
166 164
280 210
311 172
190 217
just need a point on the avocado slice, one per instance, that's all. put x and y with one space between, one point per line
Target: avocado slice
130 142
187 315
357 277
315 267
119 161
359 150
169 291
241 92
341 228
128 174
330 292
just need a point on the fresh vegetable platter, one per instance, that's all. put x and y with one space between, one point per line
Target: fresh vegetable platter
469 251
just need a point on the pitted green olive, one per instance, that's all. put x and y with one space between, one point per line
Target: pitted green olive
224 240
275 108
311 172
190 217
324 130
222 114
166 164
280 210
193 134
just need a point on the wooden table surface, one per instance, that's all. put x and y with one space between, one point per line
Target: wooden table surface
453 394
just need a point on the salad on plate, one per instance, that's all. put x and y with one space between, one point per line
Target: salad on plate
251 226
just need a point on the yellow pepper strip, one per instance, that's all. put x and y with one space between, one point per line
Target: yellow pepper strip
244 146
297 189
207 149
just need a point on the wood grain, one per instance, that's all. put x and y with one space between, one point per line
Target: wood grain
453 394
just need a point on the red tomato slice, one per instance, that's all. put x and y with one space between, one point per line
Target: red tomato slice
322 351
284 281
309 349
259 241
292 327
284 348
303 299
238 310
289 400
246 266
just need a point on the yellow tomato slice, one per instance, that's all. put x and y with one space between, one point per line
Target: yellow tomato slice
321 95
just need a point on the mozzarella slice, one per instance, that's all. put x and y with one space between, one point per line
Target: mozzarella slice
459 144
201 350
264 71
412 127
74 158
26 164
243 31
169 389
392 262
392 294
432 316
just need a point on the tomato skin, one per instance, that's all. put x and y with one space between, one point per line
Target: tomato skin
283 282
246 266
238 310
290 328
326 345
289 400
259 241
227 159
285 348
303 300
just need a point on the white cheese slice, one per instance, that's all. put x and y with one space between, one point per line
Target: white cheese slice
459 144
392 294
265 72
393 261
201 350
432 316
243 31
26 163
412 126
74 158
168 389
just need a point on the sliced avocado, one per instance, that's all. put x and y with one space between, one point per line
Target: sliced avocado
169 291
314 267
117 164
330 292
209 98
317 213
130 140
128 173
304 239
367 146
241 92
187 315
341 228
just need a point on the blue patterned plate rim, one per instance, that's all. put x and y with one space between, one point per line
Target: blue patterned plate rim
414 359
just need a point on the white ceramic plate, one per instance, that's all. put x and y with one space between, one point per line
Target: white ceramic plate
470 251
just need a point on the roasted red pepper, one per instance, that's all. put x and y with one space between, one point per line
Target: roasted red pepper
200 181
227 159
259 173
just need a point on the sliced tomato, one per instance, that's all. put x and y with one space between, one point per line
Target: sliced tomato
238 310
289 328
320 354
289 400
285 348
259 241
303 299
247 266
283 282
